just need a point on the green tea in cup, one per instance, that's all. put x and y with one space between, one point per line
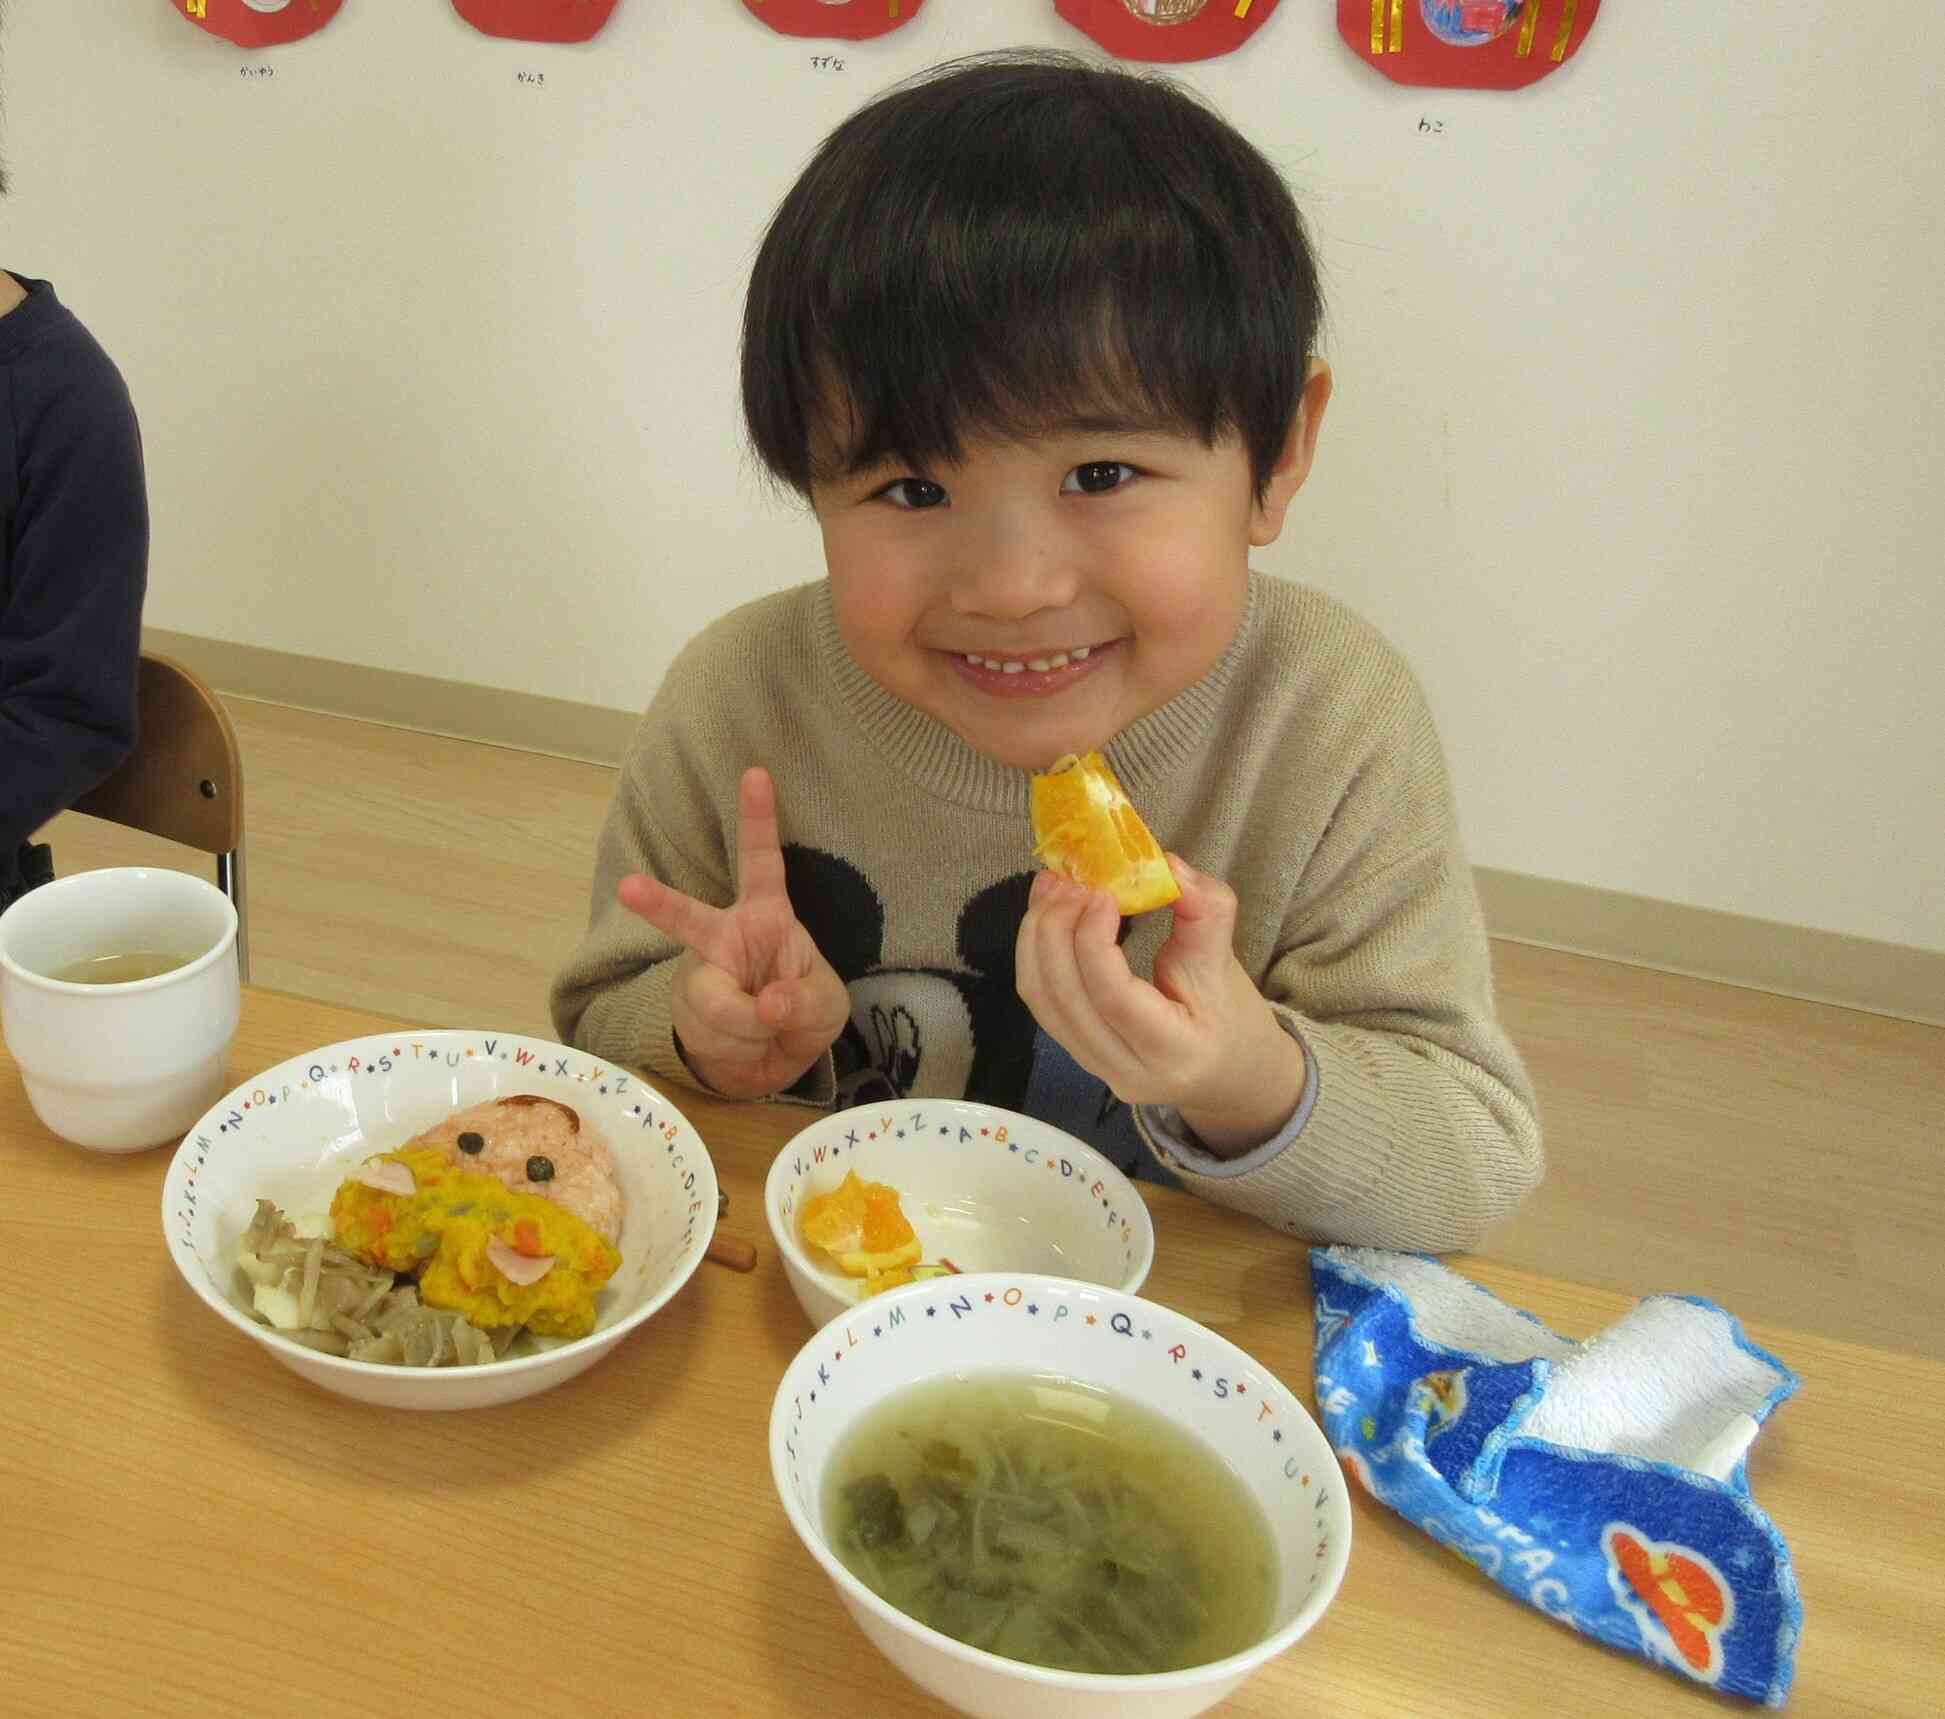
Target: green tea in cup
118 1000
119 969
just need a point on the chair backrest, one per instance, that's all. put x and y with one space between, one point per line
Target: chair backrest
184 780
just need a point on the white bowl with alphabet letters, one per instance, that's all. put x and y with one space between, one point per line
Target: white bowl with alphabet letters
1071 1338
293 1133
985 1189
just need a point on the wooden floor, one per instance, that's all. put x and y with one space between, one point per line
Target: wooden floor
1784 1158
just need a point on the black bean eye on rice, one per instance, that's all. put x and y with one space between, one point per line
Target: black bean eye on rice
470 1142
540 1169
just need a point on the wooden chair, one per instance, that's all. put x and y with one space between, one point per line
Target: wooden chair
184 780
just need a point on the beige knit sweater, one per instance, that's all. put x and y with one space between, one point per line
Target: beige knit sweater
1303 769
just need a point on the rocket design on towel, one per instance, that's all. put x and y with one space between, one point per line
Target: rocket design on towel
1679 1597
1444 1400
1602 1482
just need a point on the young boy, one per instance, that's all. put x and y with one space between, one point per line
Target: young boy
1034 338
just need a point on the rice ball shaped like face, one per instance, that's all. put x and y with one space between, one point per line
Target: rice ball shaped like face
535 1145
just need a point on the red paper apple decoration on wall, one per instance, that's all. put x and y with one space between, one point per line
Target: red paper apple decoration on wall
1466 44
849 20
259 23
1167 30
536 20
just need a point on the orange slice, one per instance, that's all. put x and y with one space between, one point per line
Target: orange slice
1085 828
862 1226
835 1221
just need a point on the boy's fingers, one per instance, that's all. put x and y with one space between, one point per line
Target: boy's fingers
1203 936
759 847
1043 956
1026 957
1047 972
1140 1017
690 922
801 1012
726 1012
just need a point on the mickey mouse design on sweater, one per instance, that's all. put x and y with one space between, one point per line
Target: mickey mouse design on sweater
961 1031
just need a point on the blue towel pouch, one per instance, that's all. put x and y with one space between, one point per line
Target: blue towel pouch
1602 1482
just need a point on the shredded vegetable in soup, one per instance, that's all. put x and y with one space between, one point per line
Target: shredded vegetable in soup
1051 1523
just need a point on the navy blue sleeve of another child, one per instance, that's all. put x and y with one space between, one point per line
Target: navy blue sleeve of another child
76 564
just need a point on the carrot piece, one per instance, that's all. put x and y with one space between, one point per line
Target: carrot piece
526 1238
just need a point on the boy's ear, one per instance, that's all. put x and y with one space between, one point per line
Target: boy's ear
1293 464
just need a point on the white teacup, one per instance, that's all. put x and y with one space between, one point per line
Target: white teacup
120 1066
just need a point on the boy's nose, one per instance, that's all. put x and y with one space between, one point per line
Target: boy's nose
1013 574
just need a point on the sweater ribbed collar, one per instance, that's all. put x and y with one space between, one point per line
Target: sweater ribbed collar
940 762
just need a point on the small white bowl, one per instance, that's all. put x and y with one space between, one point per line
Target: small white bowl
1135 1349
984 1188
292 1134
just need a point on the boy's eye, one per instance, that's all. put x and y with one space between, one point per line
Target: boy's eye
1097 477
914 493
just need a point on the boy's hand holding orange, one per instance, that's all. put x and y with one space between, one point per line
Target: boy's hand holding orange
755 1003
1201 1037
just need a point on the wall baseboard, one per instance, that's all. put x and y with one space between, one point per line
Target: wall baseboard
1703 943
1760 954
530 722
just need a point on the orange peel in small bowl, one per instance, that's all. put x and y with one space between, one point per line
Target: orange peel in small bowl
1086 829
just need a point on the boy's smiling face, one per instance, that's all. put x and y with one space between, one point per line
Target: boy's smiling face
1040 595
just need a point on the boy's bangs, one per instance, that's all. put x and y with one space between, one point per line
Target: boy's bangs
1047 374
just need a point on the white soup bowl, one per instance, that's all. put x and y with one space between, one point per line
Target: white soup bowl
1138 1351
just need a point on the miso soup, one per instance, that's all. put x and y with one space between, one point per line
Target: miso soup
1053 1523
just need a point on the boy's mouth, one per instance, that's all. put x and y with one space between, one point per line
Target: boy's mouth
1028 675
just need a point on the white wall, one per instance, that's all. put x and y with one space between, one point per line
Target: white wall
1634 449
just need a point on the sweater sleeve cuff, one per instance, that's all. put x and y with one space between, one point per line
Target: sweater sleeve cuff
1176 1148
816 1085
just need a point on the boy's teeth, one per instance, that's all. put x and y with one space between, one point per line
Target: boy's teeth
1039 665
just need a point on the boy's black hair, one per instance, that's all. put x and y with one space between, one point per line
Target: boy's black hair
1014 241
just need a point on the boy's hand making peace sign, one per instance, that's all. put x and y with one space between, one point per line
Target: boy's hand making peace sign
1201 1037
755 1003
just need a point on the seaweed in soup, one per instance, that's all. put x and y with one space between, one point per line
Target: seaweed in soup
1053 1524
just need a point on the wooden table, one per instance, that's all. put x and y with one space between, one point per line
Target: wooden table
186 1527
